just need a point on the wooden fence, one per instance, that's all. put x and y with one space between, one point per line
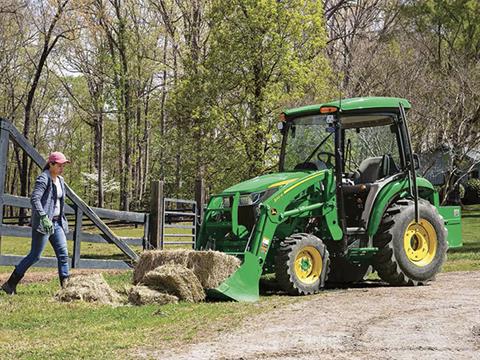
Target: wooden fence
162 216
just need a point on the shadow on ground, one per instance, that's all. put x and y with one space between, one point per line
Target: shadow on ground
269 286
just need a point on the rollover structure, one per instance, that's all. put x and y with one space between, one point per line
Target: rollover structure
346 200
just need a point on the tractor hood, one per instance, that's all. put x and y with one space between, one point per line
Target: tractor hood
267 181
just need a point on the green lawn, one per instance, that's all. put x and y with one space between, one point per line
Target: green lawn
35 326
468 256
21 246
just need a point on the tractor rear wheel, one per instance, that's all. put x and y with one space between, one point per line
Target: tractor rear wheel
410 253
301 264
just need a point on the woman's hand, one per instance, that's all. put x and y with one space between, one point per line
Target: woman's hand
47 224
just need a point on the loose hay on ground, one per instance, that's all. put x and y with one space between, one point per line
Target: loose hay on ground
211 267
143 295
177 280
89 288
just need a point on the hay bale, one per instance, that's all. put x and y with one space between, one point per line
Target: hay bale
150 260
177 280
89 288
143 295
212 267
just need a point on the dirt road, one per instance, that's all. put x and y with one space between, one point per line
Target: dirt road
438 321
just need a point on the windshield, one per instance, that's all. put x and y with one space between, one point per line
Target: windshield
309 143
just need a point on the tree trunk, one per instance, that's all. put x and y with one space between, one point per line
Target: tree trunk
146 144
163 98
257 160
178 173
98 130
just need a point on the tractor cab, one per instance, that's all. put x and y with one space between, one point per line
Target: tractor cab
360 139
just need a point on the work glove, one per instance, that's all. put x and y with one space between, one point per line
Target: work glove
46 224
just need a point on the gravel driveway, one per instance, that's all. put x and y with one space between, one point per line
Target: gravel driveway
437 321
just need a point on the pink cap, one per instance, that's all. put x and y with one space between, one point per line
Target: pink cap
57 157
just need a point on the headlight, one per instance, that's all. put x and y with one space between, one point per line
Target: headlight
256 198
249 199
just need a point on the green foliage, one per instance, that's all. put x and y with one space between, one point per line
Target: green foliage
472 191
264 55
454 23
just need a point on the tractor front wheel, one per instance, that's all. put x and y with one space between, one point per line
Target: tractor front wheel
301 264
410 253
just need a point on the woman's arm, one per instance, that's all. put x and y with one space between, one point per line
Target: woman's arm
38 191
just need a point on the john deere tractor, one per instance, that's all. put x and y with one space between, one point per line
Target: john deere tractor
346 200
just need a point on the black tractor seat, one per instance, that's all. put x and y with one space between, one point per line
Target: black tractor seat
374 168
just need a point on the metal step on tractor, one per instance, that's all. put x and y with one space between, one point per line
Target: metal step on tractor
346 200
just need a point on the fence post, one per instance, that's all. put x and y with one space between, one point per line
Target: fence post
200 198
146 232
156 215
3 170
77 237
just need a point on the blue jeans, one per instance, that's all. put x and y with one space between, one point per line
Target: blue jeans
39 240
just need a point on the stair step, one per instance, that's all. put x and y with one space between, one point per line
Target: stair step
355 230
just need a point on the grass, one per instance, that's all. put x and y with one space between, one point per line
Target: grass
35 326
21 246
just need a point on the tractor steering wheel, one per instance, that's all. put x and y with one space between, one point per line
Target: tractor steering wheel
328 162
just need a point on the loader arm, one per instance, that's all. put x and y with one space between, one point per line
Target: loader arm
243 285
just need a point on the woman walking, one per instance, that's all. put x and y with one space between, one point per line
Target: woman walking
48 222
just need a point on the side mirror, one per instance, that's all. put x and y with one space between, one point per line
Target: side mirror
416 161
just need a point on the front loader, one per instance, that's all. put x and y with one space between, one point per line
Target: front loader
346 200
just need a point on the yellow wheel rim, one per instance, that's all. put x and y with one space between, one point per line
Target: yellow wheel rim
308 265
420 242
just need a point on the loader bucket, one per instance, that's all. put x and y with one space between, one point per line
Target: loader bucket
243 284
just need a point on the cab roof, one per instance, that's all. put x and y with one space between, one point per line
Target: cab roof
361 104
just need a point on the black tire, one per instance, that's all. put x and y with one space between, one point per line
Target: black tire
313 264
343 271
406 259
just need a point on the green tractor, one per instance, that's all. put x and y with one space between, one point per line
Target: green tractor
346 200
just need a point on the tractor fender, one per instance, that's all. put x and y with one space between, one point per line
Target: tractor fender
391 192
